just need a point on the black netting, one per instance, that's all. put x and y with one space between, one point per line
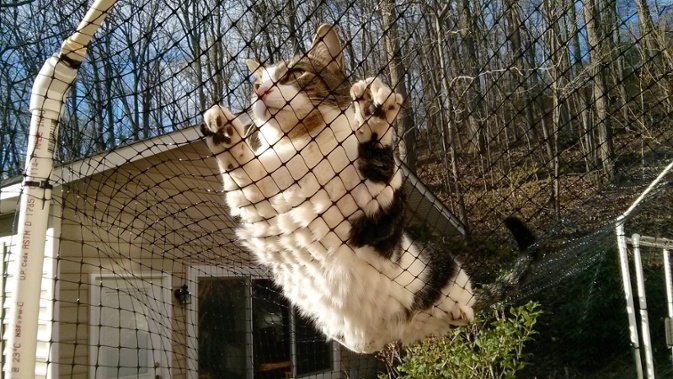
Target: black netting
491 121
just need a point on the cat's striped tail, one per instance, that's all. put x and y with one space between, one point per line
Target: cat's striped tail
523 266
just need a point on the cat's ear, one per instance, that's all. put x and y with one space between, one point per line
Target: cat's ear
254 67
327 43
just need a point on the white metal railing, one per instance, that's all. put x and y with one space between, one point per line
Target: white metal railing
622 243
636 242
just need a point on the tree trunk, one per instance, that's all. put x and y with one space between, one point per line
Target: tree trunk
557 69
109 108
582 95
97 102
451 126
397 70
598 52
190 20
474 92
647 33
611 28
521 73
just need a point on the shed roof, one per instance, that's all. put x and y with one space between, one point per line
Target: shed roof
177 167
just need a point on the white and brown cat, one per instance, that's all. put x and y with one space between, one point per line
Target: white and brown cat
321 203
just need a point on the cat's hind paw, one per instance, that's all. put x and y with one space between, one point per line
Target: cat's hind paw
224 136
376 108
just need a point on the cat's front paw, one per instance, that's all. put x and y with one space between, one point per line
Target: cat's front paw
376 108
222 126
224 136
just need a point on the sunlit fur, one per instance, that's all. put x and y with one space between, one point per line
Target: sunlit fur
301 194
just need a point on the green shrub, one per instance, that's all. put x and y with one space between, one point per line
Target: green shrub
490 347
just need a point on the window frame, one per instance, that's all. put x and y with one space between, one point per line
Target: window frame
251 273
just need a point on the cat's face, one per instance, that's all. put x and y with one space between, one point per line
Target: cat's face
294 96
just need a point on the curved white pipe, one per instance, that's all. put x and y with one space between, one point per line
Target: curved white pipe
46 106
74 47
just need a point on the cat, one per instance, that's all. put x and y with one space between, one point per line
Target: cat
320 200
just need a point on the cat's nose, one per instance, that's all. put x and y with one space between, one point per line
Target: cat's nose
264 89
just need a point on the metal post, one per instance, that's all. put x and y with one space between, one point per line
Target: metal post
628 294
642 303
669 288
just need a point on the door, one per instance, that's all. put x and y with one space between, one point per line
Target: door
129 327
245 329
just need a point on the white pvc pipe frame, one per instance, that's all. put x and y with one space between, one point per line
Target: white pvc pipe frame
626 280
46 106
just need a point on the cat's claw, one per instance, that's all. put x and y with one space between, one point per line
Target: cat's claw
376 108
224 135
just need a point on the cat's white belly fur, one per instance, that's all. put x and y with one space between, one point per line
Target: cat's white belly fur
295 219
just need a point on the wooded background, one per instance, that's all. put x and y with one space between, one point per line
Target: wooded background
540 95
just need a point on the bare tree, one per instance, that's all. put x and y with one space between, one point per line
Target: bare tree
472 67
514 23
447 107
582 95
397 71
598 52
